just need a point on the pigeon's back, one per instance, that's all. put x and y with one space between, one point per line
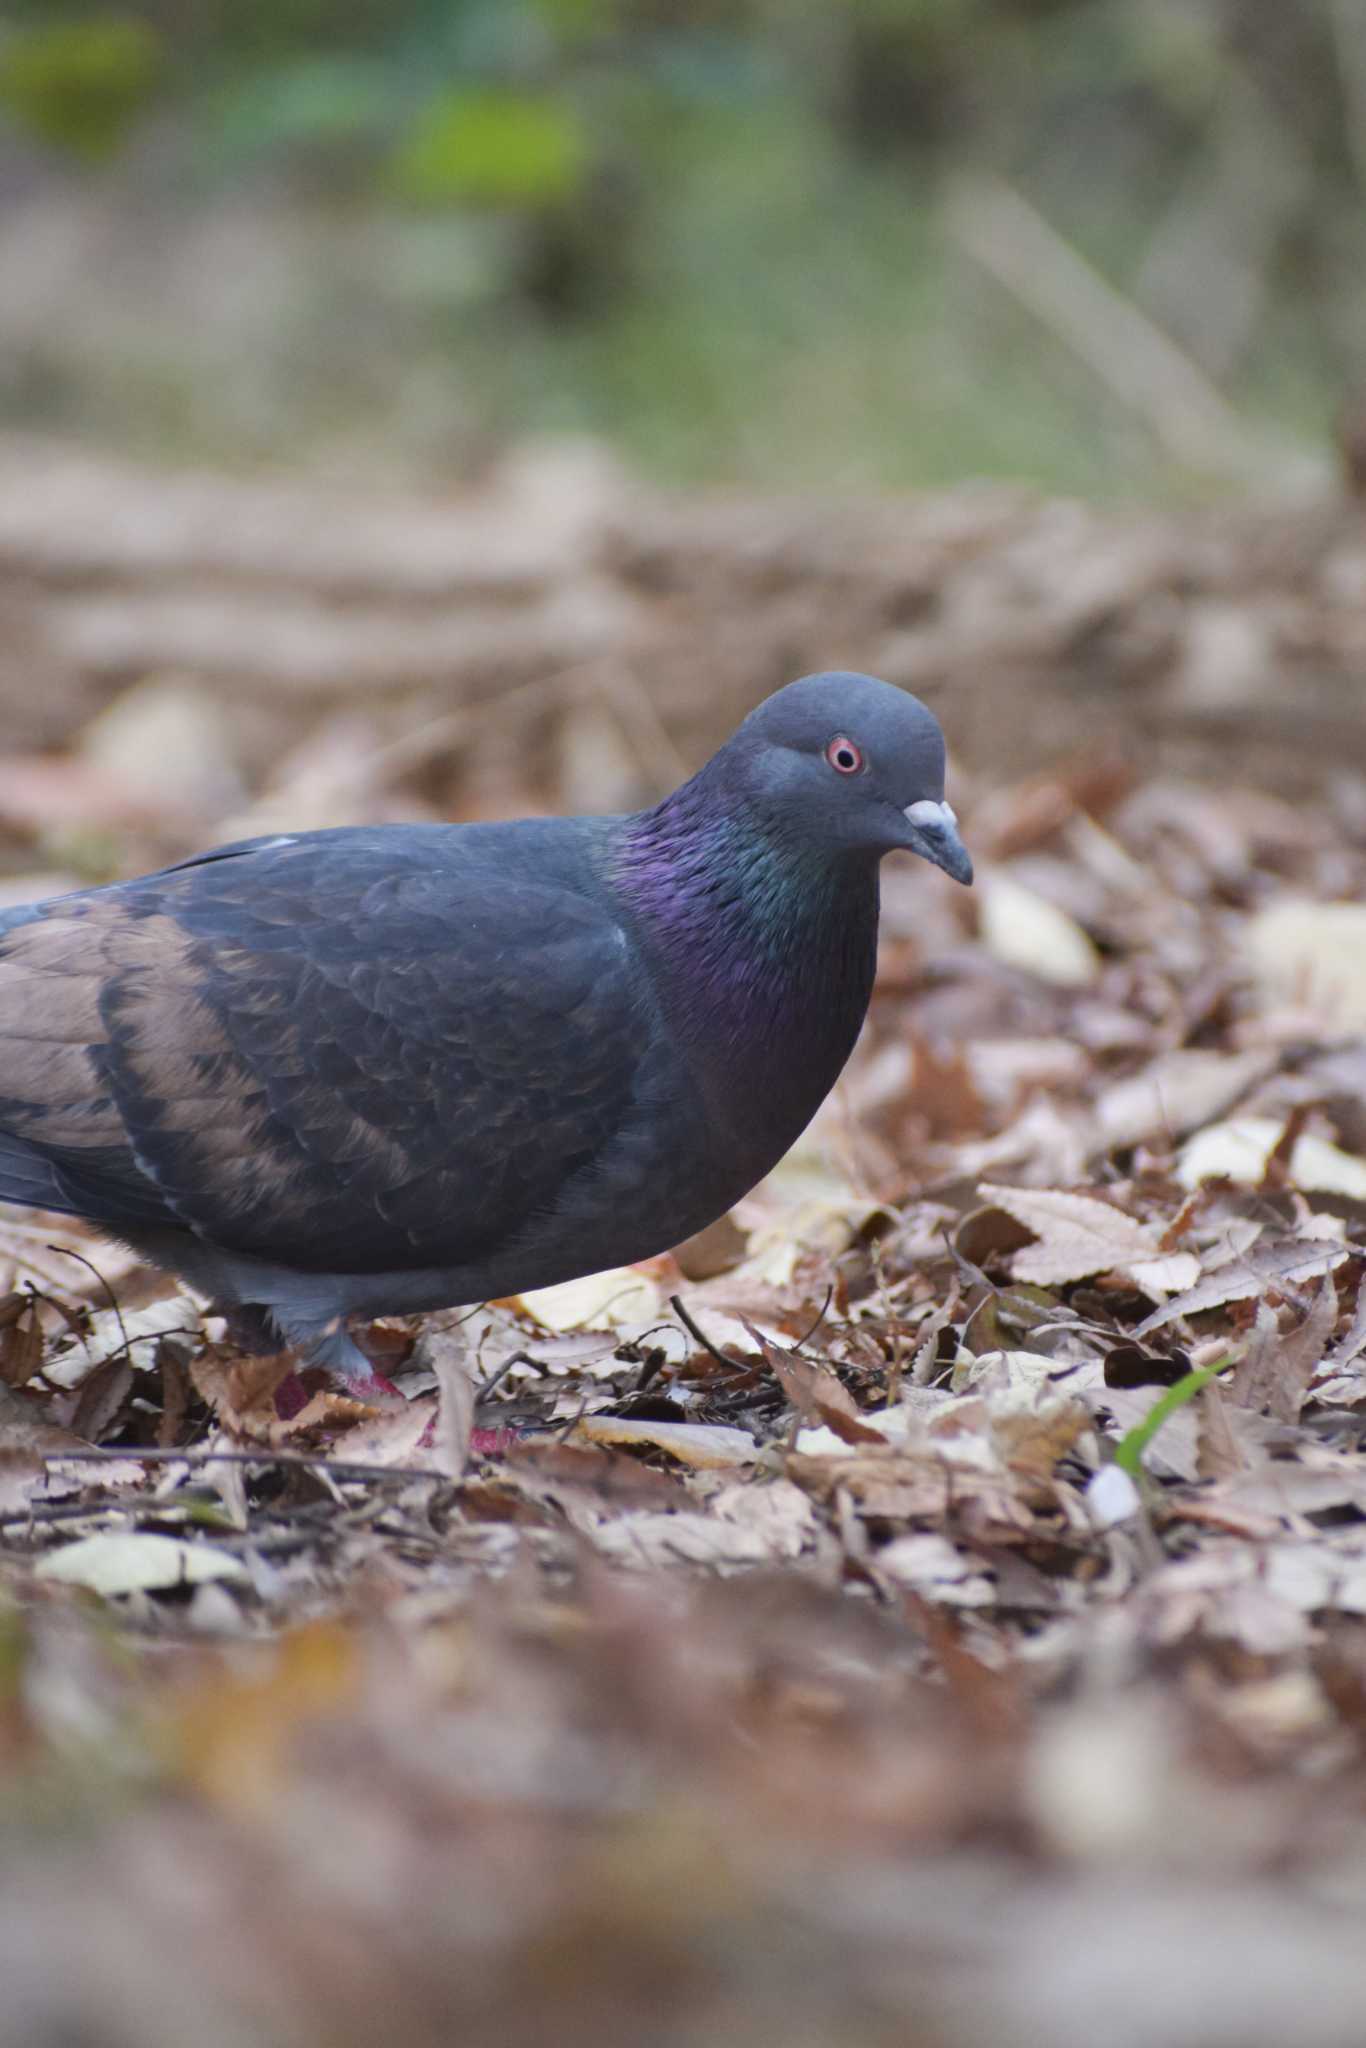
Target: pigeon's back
361 1052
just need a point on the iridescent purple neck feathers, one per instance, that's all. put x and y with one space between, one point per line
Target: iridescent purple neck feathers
766 944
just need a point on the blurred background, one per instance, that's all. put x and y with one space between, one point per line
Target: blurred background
1103 245
364 363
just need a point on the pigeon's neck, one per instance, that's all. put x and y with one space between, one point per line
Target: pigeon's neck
763 946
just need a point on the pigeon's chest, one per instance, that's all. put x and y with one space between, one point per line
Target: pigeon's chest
764 1047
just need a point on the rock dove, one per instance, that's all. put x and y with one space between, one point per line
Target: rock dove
385 1069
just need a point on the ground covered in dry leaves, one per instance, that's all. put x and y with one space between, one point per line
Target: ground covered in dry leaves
930 1607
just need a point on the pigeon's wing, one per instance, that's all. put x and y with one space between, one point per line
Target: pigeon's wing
357 1051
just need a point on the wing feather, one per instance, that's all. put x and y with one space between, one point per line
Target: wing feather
352 1051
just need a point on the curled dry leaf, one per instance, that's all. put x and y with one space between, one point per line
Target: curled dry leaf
1279 1364
707 1446
1177 1092
814 1390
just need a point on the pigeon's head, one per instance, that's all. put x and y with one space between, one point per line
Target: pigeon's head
856 764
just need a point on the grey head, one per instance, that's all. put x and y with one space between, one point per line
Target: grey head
853 764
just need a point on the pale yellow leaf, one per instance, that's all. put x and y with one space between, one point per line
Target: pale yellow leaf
1312 954
1025 930
599 1301
129 1562
1239 1151
707 1446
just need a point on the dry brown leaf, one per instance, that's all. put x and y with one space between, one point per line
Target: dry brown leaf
27 1443
936 1569
1275 1372
1177 1092
814 1390
22 1340
132 1334
895 1485
1312 954
448 1354
651 1541
241 1391
1079 1236
1269 1263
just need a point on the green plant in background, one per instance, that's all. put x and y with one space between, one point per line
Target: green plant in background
80 84
729 236
488 147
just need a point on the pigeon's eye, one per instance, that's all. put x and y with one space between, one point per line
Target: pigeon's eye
844 757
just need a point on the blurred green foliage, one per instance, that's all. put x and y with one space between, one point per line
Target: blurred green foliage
492 147
80 83
717 232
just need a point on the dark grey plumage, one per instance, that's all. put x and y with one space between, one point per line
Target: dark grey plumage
396 1068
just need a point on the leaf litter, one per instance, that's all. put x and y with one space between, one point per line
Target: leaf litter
946 1579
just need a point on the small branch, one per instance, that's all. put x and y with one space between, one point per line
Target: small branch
690 1326
825 1310
338 1467
1141 365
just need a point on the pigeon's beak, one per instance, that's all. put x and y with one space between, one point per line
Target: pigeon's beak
934 835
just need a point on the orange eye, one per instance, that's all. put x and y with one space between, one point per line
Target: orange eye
844 757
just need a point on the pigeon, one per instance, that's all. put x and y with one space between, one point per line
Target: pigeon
331 1075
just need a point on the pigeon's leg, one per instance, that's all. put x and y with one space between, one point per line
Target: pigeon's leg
260 1332
336 1351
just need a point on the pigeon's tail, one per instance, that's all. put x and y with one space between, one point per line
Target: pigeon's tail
31 1180
94 1183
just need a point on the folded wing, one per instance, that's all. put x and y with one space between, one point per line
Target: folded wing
359 1051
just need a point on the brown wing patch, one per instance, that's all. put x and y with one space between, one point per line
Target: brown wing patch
198 1118
51 1033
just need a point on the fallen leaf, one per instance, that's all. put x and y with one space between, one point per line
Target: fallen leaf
1268 1263
650 1541
1025 930
707 1446
599 1301
1176 1093
814 1390
1240 1150
1312 954
1079 1235
131 1333
1275 1371
241 1391
935 1568
448 1354
116 1562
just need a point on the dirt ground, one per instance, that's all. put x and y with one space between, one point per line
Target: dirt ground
930 1608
